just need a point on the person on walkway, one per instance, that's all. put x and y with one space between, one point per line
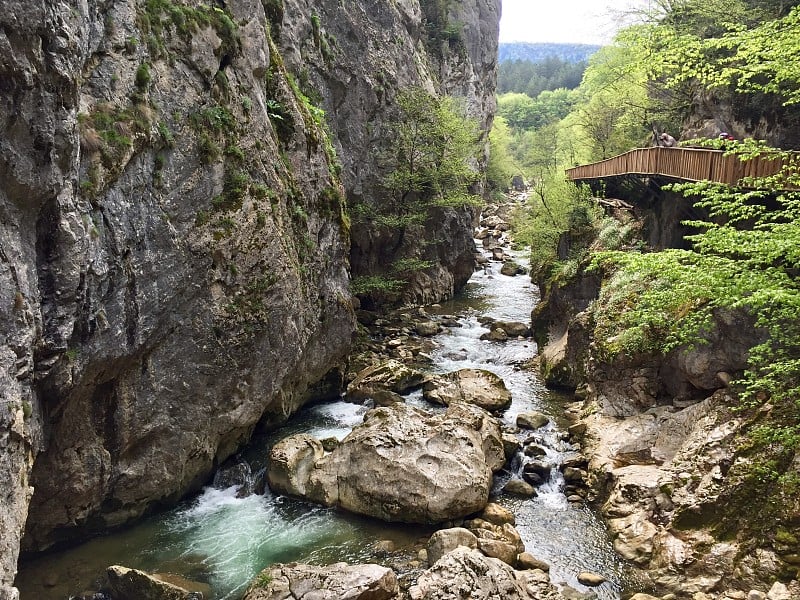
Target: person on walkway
665 140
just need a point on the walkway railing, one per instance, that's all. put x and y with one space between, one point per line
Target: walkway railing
685 164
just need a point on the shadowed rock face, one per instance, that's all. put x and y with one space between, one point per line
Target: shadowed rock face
174 255
357 55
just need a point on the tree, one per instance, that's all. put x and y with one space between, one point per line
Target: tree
519 110
501 167
432 156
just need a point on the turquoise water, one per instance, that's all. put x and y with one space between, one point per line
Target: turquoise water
222 540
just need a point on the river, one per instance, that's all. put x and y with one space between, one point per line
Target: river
223 540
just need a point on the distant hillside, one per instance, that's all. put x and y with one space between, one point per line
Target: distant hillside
538 52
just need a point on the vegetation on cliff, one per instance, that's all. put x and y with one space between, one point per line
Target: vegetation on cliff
430 164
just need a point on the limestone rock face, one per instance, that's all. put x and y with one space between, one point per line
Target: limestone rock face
403 464
379 49
473 386
179 281
333 582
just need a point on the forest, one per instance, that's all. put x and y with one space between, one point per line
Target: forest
694 68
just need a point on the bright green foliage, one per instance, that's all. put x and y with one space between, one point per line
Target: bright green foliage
747 259
369 284
763 59
161 18
501 167
555 208
618 110
431 160
523 112
430 163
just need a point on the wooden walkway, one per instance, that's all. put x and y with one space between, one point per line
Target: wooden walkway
683 164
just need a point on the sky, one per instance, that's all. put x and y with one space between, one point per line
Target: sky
577 21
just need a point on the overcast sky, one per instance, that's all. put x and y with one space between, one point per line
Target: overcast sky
579 21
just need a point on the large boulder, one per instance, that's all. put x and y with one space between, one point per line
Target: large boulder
291 461
391 375
130 584
405 464
474 386
333 582
467 573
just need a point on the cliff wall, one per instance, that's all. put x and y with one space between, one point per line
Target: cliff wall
355 57
175 246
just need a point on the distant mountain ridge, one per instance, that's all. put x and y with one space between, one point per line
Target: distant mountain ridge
537 52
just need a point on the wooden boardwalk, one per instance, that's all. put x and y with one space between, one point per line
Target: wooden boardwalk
682 164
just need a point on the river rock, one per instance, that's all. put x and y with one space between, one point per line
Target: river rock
532 420
385 397
130 584
499 549
518 487
532 450
513 328
389 375
333 582
591 579
467 573
511 444
526 560
494 513
643 596
573 475
446 540
506 533
405 464
474 386
512 268
495 335
238 474
291 461
779 591
427 328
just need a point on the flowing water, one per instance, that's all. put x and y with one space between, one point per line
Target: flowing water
224 540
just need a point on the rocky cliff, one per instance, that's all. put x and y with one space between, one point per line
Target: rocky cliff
175 246
667 441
